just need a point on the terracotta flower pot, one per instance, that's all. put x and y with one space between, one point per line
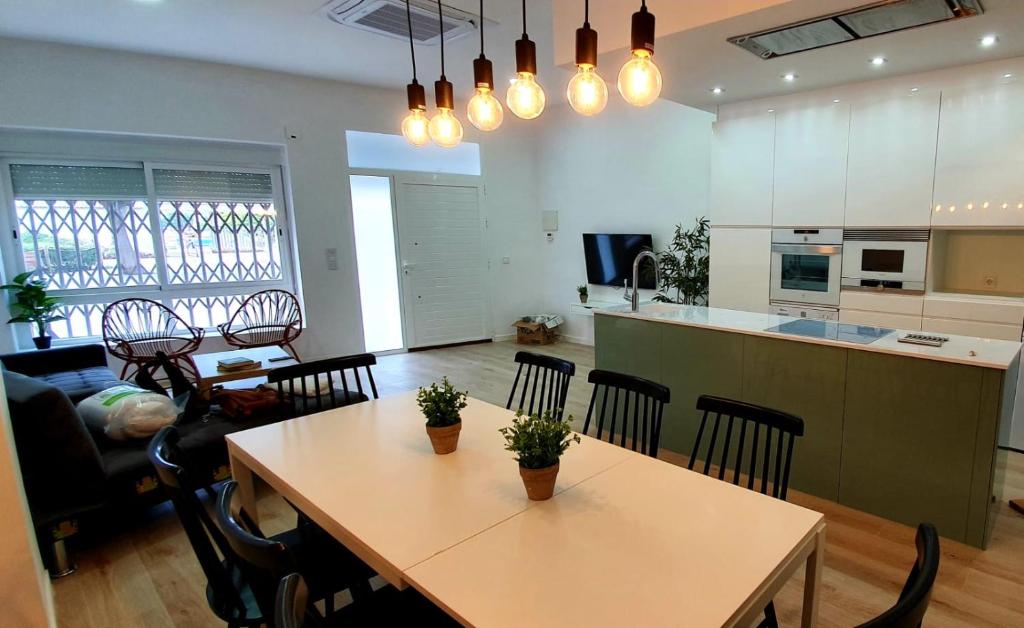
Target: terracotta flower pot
539 483
444 440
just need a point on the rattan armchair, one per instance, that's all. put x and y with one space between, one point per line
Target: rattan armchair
134 330
271 318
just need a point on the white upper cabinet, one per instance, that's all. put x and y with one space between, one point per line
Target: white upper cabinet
980 160
811 146
742 152
892 161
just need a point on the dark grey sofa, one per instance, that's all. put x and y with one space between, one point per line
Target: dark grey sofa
70 471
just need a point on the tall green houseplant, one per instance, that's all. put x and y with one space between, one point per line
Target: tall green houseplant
33 305
684 265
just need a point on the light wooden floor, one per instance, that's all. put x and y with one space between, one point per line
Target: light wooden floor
148 576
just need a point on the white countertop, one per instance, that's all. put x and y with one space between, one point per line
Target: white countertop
997 354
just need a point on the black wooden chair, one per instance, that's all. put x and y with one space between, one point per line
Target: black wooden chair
324 384
744 434
292 601
325 564
909 611
770 434
551 373
640 408
228 595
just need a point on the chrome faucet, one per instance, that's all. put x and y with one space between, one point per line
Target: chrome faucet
635 301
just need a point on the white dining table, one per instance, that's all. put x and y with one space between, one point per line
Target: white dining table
626 539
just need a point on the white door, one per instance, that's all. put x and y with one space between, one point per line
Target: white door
443 268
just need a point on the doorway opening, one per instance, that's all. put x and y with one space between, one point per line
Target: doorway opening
373 220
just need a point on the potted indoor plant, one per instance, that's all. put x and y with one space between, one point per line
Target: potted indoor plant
582 289
538 440
441 406
685 265
32 305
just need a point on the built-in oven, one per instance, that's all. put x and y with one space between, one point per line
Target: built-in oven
885 259
806 266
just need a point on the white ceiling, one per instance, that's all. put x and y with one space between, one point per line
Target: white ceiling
291 36
696 60
284 35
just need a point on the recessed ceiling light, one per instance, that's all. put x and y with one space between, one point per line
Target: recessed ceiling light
789 76
717 90
878 60
835 100
1007 75
771 111
988 41
914 89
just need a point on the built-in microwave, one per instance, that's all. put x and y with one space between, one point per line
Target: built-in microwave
806 266
885 259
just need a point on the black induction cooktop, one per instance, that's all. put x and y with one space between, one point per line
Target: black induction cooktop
831 330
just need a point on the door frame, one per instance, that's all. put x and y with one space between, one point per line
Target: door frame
399 177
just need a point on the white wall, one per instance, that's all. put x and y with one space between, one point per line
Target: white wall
626 170
51 86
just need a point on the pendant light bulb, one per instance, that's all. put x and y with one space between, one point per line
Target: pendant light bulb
445 129
484 110
640 79
415 128
587 91
525 97
415 125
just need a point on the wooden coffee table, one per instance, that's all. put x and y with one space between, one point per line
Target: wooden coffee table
209 376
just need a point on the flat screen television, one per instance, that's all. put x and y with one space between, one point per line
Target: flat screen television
610 258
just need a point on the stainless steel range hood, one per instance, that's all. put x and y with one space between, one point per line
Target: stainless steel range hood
878 18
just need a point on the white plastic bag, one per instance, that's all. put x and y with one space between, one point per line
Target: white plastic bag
126 412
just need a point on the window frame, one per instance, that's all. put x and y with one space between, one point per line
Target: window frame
165 292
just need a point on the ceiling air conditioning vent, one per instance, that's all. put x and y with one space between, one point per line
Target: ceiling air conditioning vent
870 20
387 17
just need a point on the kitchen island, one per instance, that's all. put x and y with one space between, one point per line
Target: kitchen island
907 432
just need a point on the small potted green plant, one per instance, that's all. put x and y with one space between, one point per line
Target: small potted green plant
441 406
33 305
539 440
582 289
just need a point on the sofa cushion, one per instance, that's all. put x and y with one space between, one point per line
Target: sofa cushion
60 464
78 385
73 358
126 463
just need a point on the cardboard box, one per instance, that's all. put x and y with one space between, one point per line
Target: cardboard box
537 330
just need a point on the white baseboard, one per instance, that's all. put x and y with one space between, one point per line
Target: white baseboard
579 340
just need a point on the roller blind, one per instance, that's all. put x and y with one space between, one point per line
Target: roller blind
35 181
212 186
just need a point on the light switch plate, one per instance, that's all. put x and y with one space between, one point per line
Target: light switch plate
549 220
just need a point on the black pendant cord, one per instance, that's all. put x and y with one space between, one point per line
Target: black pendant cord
586 12
440 30
481 28
412 49
524 19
